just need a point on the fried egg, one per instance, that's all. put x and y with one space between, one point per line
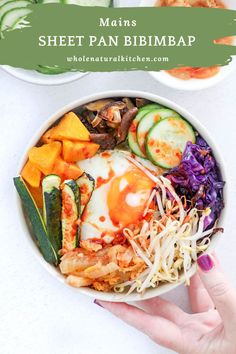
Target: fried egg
119 198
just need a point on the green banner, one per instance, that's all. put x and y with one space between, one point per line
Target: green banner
108 39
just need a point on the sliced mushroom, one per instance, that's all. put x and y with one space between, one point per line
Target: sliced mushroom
106 140
128 102
111 112
125 124
140 102
96 121
96 106
94 125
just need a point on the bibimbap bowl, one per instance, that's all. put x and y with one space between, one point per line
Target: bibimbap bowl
153 232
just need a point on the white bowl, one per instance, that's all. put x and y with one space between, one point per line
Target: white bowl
35 77
193 84
111 296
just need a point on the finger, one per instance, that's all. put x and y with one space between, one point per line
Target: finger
157 328
164 308
219 289
200 300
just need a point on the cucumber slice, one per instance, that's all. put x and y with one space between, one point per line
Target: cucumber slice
38 227
12 5
149 107
12 18
148 121
52 70
102 3
86 185
50 2
70 215
132 138
3 2
167 140
52 209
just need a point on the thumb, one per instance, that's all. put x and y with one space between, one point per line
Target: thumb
219 289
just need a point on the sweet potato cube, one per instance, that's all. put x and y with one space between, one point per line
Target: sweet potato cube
46 138
44 157
73 172
66 170
78 150
31 174
71 128
37 194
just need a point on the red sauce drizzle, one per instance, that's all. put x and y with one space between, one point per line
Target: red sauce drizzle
105 154
151 142
133 128
101 181
99 241
119 238
68 210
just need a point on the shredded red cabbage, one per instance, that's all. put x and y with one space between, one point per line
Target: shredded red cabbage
198 178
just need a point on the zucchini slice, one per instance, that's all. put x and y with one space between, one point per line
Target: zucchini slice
52 209
38 227
86 185
70 215
167 140
148 120
132 138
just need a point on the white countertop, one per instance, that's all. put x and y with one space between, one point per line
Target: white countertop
37 313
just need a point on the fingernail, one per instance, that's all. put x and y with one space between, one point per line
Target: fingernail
97 303
205 262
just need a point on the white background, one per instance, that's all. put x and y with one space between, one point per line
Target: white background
37 313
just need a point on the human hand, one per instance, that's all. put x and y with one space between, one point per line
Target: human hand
210 329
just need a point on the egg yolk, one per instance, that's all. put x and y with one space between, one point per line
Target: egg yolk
128 196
